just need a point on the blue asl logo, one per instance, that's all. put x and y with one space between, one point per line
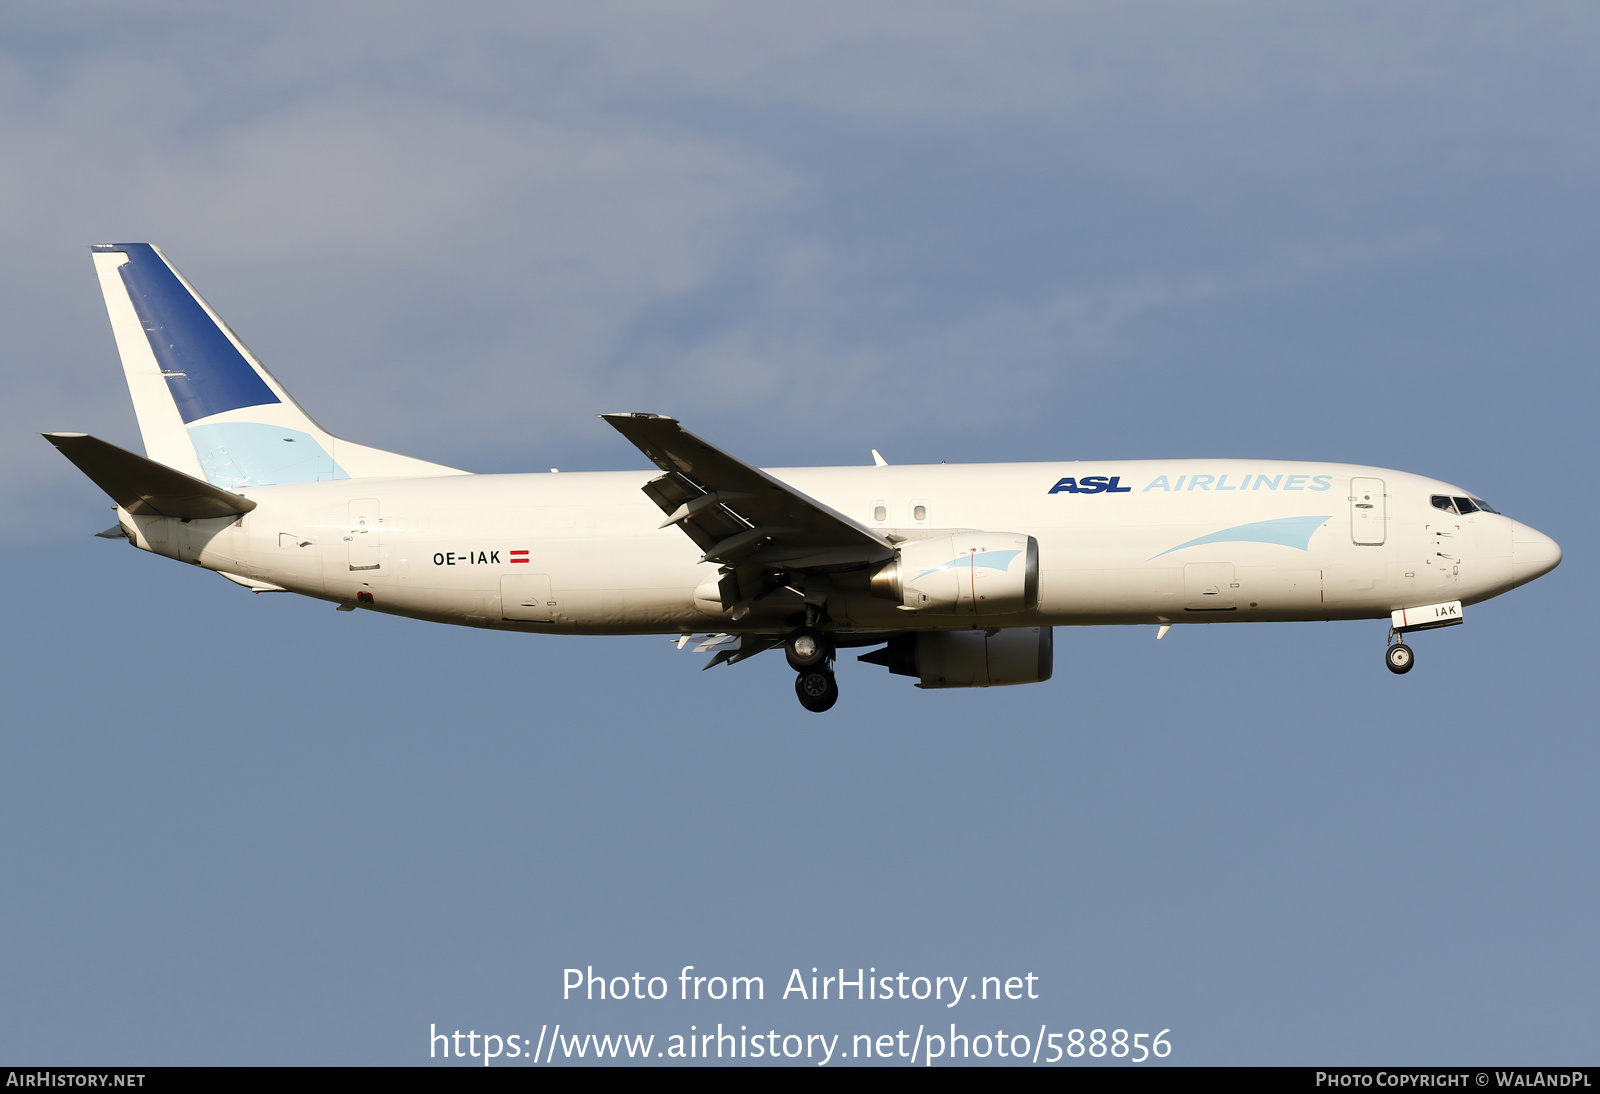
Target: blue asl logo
1091 484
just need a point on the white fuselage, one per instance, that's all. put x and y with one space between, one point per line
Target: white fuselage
585 553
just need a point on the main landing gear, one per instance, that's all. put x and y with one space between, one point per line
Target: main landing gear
810 654
806 648
817 689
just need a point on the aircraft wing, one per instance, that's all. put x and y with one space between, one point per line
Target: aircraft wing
737 514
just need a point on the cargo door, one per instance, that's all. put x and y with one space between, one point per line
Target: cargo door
1368 512
1209 587
362 537
526 597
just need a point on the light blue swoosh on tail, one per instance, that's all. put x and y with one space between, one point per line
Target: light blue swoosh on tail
235 455
992 560
1293 532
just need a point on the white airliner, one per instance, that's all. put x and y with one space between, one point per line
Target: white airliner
958 572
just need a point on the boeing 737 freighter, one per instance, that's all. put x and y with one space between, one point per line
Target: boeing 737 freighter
956 572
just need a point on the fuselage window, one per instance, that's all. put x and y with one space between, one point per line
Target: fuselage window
880 513
1442 502
920 512
1465 506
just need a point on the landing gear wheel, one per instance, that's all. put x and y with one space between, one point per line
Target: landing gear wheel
817 689
806 648
1399 658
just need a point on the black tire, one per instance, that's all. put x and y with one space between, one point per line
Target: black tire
817 690
1399 658
816 646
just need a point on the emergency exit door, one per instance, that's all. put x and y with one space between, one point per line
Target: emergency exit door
1368 512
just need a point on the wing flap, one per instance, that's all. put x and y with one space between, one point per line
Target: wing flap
704 521
736 513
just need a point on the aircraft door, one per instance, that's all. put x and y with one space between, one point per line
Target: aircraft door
526 597
1209 587
1368 512
363 534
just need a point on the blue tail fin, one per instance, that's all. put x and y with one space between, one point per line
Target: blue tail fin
205 404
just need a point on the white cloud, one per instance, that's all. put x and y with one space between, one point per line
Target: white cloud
344 233
489 221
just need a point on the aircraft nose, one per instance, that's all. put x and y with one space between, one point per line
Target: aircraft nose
1533 553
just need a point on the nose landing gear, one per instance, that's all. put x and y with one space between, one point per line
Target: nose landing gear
1404 621
1399 658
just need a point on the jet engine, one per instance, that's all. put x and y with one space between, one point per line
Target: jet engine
969 659
966 573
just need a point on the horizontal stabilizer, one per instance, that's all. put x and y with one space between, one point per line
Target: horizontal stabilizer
144 487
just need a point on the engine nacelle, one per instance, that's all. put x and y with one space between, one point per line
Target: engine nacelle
970 659
967 573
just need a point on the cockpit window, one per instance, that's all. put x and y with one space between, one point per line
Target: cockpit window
1464 506
1485 506
1442 502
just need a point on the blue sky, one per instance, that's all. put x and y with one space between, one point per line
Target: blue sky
249 829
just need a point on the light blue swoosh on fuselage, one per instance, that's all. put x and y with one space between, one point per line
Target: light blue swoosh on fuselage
992 560
1293 532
